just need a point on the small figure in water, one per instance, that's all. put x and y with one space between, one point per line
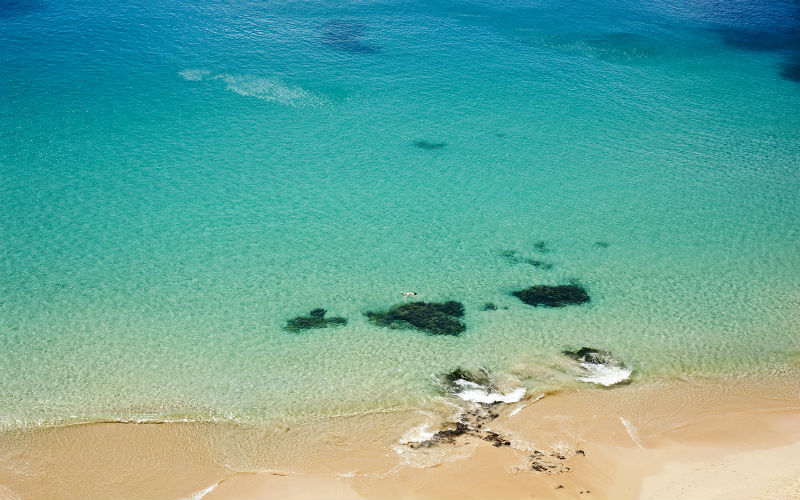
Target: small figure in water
408 294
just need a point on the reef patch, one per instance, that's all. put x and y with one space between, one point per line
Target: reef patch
433 318
315 319
552 296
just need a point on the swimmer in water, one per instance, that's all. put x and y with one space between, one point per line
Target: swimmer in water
408 294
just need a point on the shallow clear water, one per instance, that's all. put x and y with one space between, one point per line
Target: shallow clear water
177 180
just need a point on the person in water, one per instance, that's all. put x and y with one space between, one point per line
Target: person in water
408 294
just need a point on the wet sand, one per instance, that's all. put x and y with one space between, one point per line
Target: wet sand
689 439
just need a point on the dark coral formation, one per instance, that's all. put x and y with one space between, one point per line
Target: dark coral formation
552 296
315 319
347 36
431 317
422 144
489 306
601 244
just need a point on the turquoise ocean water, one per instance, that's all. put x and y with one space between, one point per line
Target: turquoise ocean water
179 178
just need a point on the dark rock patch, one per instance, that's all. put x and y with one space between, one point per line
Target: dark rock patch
431 317
539 263
552 296
513 257
791 71
422 144
315 319
601 244
347 36
489 306
591 356
496 439
548 464
478 377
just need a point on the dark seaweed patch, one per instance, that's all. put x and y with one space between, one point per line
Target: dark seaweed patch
431 317
601 244
422 144
347 36
552 296
315 319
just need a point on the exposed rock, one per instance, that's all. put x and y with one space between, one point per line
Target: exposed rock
422 144
479 377
315 319
431 317
600 367
496 439
591 356
552 296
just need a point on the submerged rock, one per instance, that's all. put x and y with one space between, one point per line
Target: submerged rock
431 317
346 35
791 71
429 145
315 319
552 296
539 263
489 306
601 244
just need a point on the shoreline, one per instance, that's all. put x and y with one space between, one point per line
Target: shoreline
677 439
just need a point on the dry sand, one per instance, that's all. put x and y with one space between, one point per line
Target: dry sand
698 439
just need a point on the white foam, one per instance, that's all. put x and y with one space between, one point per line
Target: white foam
605 375
632 432
194 75
417 434
477 394
269 89
198 495
521 407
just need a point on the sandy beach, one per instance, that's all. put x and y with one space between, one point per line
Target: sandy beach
691 439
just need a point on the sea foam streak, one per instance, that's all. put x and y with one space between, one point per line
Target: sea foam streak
605 375
477 394
266 89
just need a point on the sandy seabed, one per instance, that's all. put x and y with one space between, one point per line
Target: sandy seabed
683 439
